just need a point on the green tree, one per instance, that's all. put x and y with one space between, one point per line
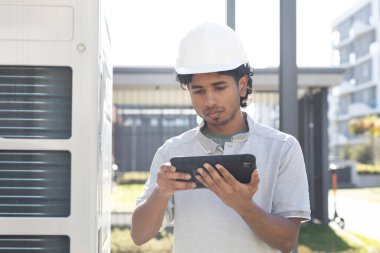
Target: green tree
369 125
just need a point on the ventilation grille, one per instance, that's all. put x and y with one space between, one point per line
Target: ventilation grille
35 102
34 243
35 183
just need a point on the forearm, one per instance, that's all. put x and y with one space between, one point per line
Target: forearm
148 216
279 232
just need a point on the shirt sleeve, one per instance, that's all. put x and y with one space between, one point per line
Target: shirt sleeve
150 184
291 197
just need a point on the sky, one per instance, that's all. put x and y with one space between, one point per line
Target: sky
147 33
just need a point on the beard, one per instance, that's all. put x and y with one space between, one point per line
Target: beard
217 116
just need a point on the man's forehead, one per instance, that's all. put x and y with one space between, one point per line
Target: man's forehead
209 78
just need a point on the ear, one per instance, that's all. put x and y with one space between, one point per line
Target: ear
243 83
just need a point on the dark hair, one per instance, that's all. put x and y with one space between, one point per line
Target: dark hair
237 73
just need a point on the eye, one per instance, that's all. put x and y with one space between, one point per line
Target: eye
219 88
197 91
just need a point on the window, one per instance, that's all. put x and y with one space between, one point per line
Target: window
344 29
363 72
35 102
372 97
343 128
345 53
348 74
366 96
344 102
363 44
364 14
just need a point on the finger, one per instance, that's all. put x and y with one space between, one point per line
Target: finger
255 178
204 177
255 175
168 171
211 176
226 174
167 168
180 185
176 175
200 179
212 171
175 185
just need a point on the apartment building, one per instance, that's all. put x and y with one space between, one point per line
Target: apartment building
356 45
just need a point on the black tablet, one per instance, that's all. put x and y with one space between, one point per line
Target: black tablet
240 166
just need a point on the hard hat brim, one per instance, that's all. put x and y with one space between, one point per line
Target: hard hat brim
208 68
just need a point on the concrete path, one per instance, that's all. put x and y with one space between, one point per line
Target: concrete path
360 216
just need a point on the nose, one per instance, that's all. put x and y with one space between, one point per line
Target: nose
210 99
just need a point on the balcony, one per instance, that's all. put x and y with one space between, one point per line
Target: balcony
357 29
359 109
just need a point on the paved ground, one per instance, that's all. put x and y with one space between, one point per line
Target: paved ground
361 216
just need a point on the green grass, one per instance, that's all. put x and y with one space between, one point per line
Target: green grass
121 242
313 239
133 177
318 238
124 197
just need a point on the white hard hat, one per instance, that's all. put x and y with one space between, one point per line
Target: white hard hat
210 47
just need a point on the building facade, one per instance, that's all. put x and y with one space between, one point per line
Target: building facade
356 44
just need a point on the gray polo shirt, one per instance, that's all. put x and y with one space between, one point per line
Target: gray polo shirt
203 223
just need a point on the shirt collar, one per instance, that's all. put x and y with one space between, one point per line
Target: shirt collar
209 146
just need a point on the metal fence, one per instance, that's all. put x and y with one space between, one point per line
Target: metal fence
141 130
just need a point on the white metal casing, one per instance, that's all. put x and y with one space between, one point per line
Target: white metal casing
68 33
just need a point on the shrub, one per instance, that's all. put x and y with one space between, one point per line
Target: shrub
368 168
133 177
361 153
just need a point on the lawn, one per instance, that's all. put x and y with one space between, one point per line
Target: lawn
318 238
313 239
124 197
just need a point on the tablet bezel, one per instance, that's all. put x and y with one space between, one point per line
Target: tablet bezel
240 166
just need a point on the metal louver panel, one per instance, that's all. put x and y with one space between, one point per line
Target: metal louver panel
35 102
34 243
35 183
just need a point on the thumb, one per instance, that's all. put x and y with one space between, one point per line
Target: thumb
255 177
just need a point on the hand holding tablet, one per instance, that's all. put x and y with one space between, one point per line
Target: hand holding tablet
240 166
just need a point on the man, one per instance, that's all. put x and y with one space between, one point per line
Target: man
227 216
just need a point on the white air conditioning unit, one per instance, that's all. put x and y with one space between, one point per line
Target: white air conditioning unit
55 127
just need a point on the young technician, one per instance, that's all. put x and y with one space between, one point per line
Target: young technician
227 216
